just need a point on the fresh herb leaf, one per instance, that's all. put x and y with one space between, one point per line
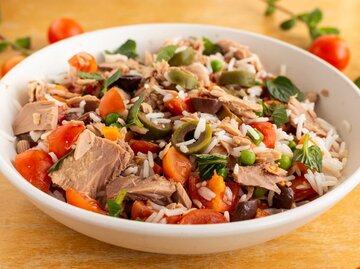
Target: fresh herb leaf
210 47
288 24
270 9
90 75
166 53
310 156
133 118
128 49
207 163
357 82
329 31
3 46
276 112
23 42
282 89
314 17
115 206
57 164
110 80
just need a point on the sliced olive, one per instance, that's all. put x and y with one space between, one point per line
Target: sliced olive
225 112
206 105
129 83
155 131
237 77
184 57
186 132
285 199
184 79
245 210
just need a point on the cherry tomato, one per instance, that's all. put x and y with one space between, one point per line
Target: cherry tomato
33 165
177 167
332 49
83 61
83 201
302 189
268 131
140 210
143 146
61 139
176 106
63 28
157 169
203 216
111 102
10 63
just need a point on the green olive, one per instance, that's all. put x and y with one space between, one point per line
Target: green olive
184 57
237 77
186 132
225 112
184 79
155 131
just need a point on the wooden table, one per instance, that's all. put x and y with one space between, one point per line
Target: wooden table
30 239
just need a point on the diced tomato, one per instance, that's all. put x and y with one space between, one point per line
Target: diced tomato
217 185
157 169
33 165
176 106
83 201
268 131
302 189
235 189
140 210
177 167
173 219
61 139
61 114
111 102
83 61
143 146
203 216
189 106
303 168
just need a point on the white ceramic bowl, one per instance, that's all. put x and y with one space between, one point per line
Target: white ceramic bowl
306 70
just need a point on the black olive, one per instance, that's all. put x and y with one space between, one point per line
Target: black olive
245 210
129 83
285 199
206 105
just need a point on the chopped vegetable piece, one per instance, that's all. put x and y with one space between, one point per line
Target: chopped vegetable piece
184 79
216 65
84 62
115 207
128 49
83 201
247 157
143 146
259 192
284 162
177 167
237 77
258 140
203 216
140 210
209 47
310 156
217 185
155 131
282 89
209 163
176 106
110 80
112 118
111 102
268 131
132 118
111 133
184 57
285 199
166 53
57 164
292 145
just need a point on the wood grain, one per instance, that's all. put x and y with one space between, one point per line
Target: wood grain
30 239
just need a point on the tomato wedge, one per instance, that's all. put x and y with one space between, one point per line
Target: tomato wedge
268 131
111 102
83 61
143 146
140 210
176 106
203 216
61 139
33 165
83 201
176 166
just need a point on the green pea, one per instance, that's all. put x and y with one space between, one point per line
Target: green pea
259 192
256 141
292 145
221 171
111 118
216 65
284 162
247 157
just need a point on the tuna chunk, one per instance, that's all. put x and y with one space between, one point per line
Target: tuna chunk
268 155
310 123
154 188
36 116
92 102
95 163
181 196
257 176
201 72
238 51
236 105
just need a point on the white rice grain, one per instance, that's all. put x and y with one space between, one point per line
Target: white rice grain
186 143
154 115
213 143
94 117
50 98
184 149
146 169
53 157
206 193
200 128
150 159
253 133
227 215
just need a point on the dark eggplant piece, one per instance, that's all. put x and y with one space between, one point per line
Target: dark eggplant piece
206 105
129 83
285 199
245 210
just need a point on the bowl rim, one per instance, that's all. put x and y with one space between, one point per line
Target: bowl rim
156 229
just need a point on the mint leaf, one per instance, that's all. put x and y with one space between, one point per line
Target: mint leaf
282 89
310 156
110 80
115 206
270 9
357 82
57 164
207 163
166 53
23 42
3 46
279 116
209 47
288 24
128 49
89 75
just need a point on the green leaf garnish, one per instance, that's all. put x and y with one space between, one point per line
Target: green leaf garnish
115 206
166 53
110 80
310 156
128 49
288 24
57 164
90 75
23 42
209 47
282 89
276 112
133 118
3 46
207 163
357 82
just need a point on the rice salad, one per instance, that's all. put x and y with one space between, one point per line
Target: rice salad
196 132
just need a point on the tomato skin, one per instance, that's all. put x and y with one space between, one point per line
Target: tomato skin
203 216
140 210
33 165
176 166
61 139
176 106
332 49
111 102
301 193
143 146
83 201
10 63
63 28
157 169
83 61
268 131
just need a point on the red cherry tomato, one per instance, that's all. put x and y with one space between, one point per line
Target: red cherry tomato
33 165
268 131
143 146
83 201
332 49
203 216
10 63
176 106
63 28
83 61
140 210
61 139
302 189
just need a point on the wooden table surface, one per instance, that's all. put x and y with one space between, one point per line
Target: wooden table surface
31 239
